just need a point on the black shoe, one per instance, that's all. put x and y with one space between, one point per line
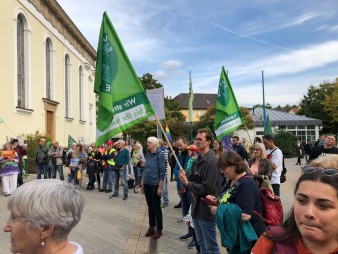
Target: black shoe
102 190
107 191
125 197
179 205
186 236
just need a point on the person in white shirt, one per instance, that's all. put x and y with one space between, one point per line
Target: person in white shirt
276 157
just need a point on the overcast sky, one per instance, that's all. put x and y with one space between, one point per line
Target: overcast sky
294 42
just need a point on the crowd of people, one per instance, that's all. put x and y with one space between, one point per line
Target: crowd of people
217 189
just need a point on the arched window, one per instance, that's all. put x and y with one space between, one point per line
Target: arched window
67 87
81 93
21 82
49 64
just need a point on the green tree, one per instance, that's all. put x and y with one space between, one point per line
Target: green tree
286 142
172 110
311 104
330 103
285 108
148 82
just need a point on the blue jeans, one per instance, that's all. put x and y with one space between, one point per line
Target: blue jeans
165 189
206 236
123 173
59 168
276 189
129 166
73 176
41 168
108 177
137 173
186 202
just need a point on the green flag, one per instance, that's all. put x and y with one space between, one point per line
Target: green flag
191 100
122 101
70 141
267 127
228 116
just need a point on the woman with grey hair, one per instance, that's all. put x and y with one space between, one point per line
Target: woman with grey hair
152 186
43 212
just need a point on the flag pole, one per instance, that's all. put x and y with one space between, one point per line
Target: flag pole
191 109
264 111
166 138
171 148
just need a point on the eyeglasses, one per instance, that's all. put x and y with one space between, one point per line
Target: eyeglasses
325 171
256 149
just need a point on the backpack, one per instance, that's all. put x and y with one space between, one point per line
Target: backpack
283 175
272 207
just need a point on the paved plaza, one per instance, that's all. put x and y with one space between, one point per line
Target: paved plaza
115 226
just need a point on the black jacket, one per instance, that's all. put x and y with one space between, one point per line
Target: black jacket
204 179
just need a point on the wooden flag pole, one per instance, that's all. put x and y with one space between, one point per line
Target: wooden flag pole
166 138
171 148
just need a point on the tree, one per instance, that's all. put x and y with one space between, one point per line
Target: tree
285 108
267 105
285 141
172 110
311 104
148 82
330 103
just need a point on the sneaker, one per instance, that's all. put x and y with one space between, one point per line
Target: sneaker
164 205
185 218
192 244
186 236
107 191
150 232
157 235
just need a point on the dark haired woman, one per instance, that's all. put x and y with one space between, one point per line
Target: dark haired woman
312 224
240 190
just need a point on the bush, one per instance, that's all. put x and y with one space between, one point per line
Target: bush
286 142
32 145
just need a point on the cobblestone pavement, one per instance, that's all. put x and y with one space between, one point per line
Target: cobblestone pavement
116 226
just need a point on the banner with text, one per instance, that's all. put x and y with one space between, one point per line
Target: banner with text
122 101
228 116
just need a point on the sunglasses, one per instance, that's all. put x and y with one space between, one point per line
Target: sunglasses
325 171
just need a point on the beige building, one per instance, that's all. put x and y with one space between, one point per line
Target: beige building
47 70
201 103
